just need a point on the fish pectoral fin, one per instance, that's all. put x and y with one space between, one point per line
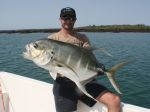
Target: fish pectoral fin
67 72
53 75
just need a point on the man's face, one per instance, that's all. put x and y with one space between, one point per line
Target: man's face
67 22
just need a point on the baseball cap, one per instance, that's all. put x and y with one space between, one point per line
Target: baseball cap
68 11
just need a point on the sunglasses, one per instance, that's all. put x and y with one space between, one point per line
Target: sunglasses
65 18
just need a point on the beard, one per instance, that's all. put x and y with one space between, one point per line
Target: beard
68 27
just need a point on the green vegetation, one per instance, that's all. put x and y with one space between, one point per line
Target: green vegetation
123 27
117 28
29 31
90 28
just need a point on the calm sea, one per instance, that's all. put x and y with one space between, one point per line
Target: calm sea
134 79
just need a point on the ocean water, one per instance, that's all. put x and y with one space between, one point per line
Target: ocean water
134 79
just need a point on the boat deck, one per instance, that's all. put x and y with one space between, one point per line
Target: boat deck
22 94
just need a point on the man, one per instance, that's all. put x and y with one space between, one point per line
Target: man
65 90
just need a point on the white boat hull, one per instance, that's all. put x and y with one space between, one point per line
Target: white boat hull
29 95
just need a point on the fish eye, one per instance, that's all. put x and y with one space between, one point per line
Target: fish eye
35 45
52 52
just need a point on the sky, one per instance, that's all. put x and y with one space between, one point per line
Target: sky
41 14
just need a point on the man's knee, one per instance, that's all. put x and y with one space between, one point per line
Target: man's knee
109 98
116 99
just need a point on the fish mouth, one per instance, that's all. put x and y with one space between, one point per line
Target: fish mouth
31 51
40 57
26 52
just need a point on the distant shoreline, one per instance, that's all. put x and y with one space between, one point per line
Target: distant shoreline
106 28
78 30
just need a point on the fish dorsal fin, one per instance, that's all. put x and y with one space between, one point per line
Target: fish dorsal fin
101 50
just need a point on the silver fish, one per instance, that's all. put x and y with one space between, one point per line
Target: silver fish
76 63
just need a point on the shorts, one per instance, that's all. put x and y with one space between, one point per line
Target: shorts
66 96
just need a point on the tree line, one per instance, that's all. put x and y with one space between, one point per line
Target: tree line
90 28
117 28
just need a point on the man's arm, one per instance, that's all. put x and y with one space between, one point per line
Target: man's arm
86 43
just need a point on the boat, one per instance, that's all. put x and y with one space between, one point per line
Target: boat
23 94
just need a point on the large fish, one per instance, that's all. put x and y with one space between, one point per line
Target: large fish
76 63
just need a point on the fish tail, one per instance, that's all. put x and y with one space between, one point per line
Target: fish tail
110 74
